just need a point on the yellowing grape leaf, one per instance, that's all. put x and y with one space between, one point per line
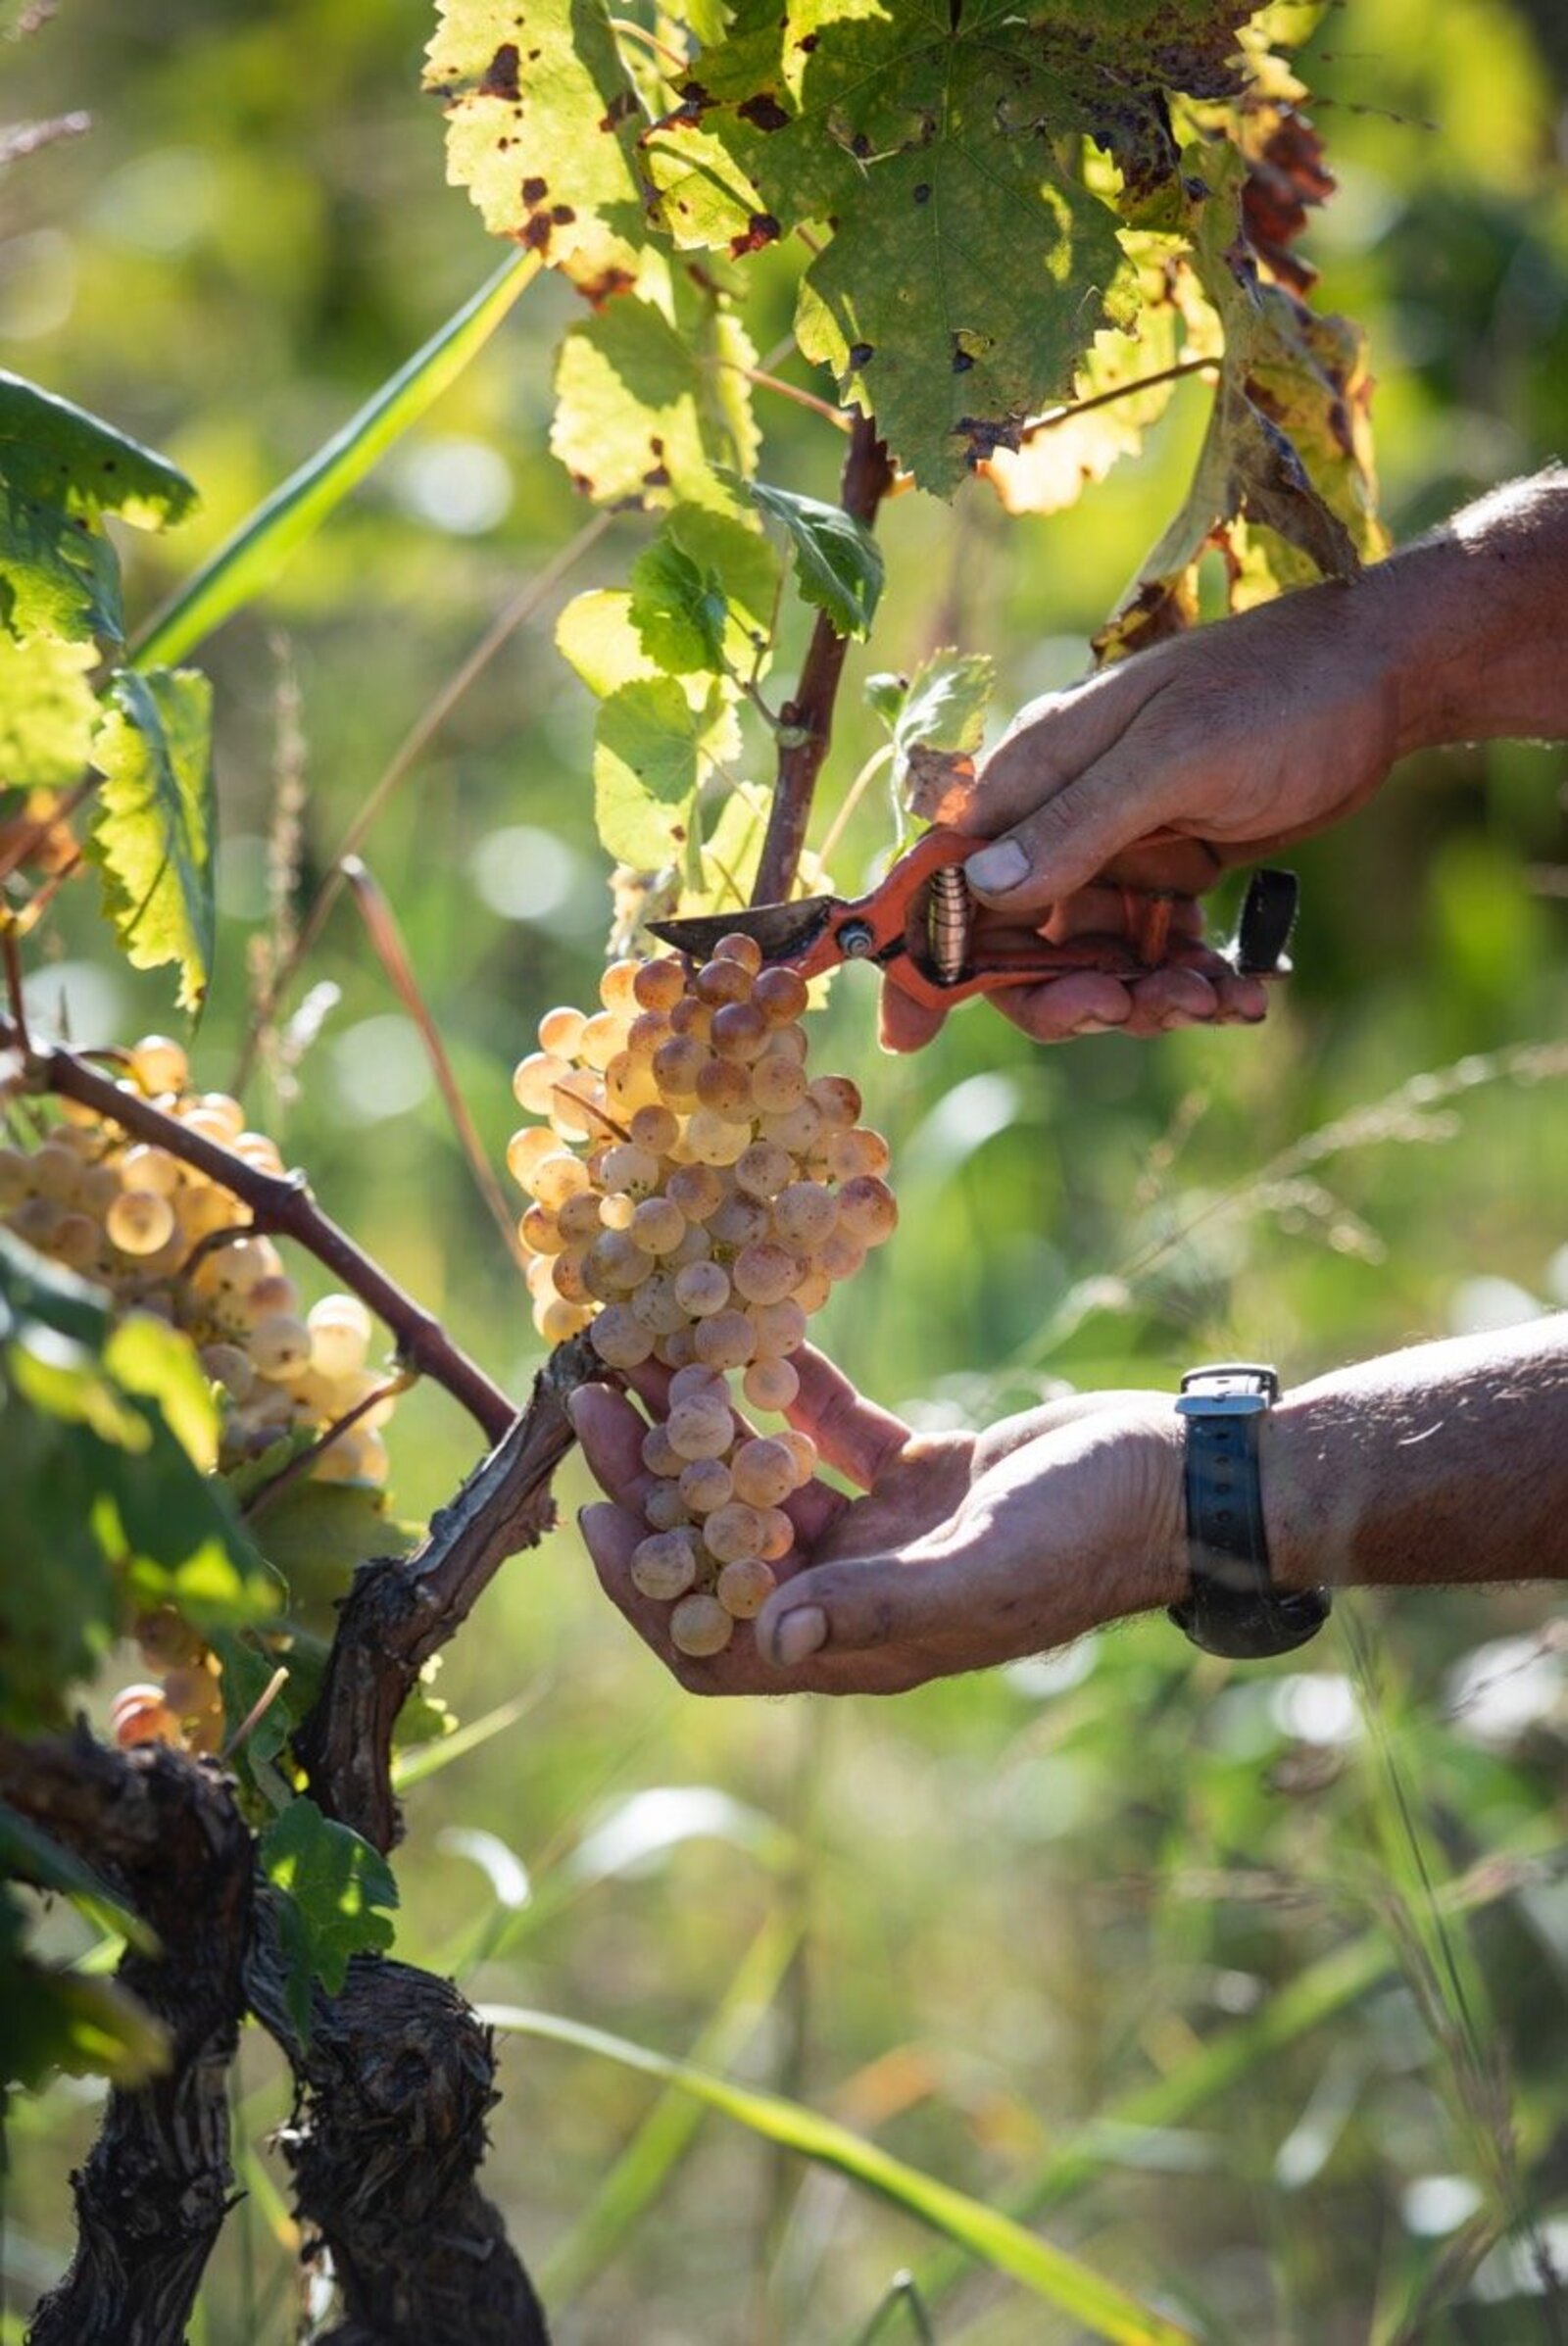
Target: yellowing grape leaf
941 708
651 393
154 832
542 120
47 709
1288 452
1064 451
651 751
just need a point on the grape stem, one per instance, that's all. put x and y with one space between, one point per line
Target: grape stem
281 1204
809 717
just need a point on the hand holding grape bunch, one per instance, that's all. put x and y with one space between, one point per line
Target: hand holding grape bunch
720 1196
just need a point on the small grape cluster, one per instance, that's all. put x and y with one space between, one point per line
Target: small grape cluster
183 1708
147 1226
696 1198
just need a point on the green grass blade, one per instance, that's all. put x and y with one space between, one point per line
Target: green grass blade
665 2134
982 2231
1315 1995
248 562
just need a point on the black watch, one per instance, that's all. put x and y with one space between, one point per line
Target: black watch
1233 1607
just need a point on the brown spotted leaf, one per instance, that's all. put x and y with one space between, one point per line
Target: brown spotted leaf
542 120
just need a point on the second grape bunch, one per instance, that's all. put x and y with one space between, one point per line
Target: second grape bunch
696 1198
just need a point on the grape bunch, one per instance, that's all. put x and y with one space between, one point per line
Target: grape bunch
696 1196
146 1226
186 1707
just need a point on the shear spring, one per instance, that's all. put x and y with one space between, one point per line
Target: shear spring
948 923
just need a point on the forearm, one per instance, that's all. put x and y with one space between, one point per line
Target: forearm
1477 621
1445 1463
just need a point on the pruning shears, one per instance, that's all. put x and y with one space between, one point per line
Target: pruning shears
918 928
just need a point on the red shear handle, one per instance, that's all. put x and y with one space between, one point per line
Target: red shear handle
898 911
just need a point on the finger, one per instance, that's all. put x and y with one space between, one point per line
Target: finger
611 1535
1243 1001
1068 840
610 1431
1171 996
856 1438
1053 741
1057 1008
855 1606
906 1024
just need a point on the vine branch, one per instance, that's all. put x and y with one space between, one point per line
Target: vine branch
281 1204
867 478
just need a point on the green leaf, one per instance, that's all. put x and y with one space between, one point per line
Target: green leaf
542 130
940 707
146 1357
54 2020
925 141
651 750
315 1535
334 1890
651 395
251 558
248 1672
154 832
58 575
1049 2273
29 1852
678 608
47 709
59 469
838 563
55 452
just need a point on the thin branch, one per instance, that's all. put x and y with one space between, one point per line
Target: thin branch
837 416
386 937
853 797
32 834
1104 399
14 991
280 1203
266 1494
402 1610
867 476
409 751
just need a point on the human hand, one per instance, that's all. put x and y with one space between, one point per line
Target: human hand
1237 737
966 1551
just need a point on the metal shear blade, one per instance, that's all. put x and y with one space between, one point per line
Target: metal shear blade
779 930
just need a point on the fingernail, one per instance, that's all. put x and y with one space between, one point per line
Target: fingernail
572 1400
998 869
798 1635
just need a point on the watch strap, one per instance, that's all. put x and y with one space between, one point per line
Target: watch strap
1233 1606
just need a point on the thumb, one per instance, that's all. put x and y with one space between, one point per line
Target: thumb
1065 843
850 1606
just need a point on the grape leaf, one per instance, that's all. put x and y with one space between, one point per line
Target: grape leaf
314 1534
651 395
542 121
146 1357
59 469
32 1855
333 1889
838 562
248 1672
105 1507
596 635
702 594
58 2020
940 707
678 608
923 138
56 453
47 709
651 752
1282 483
1060 456
154 833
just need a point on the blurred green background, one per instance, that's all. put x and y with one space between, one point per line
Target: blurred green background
1073 1903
